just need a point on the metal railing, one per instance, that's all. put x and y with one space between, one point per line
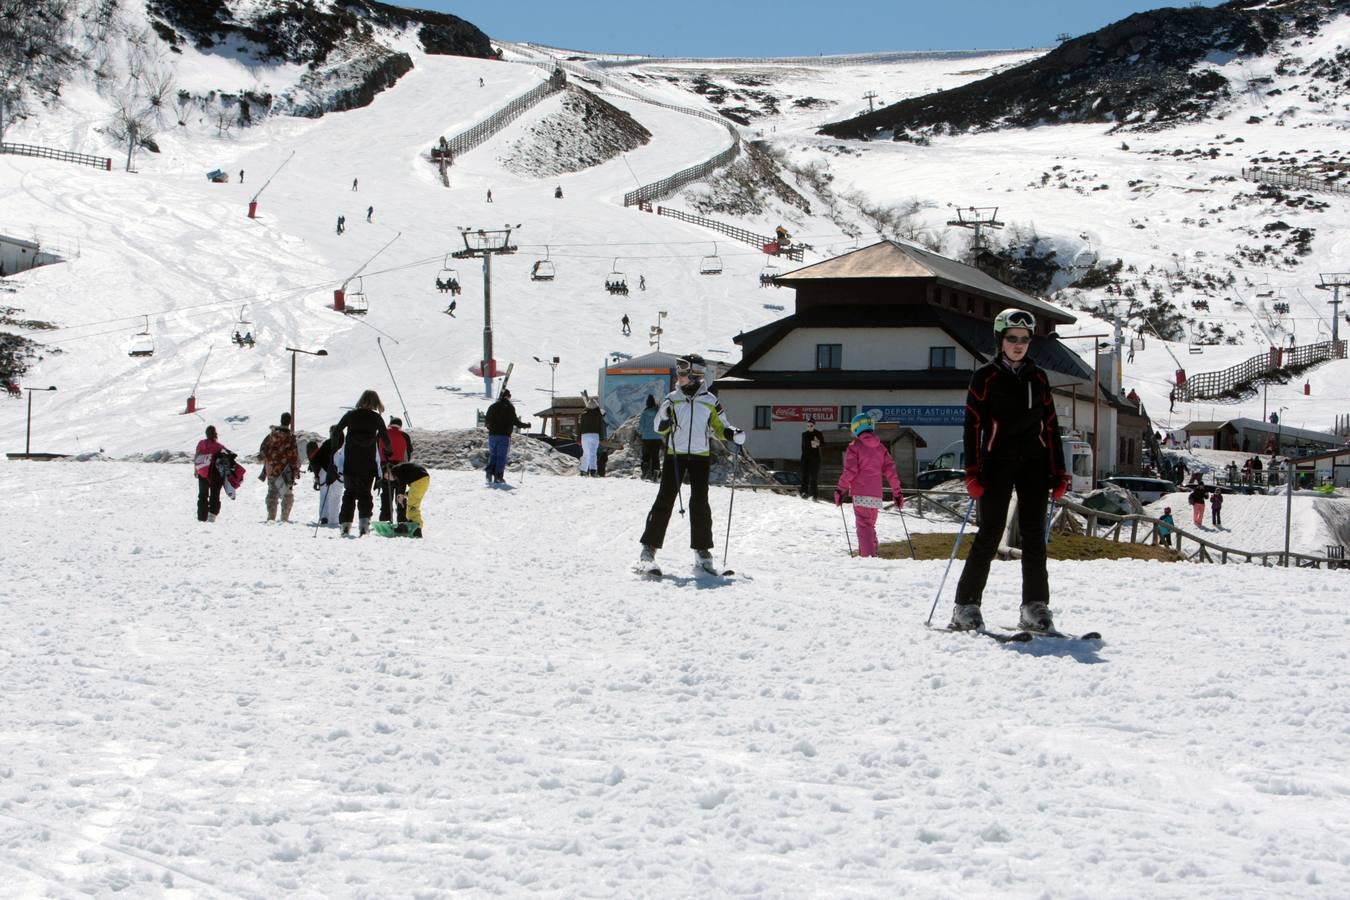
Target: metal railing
472 137
84 159
740 234
1298 182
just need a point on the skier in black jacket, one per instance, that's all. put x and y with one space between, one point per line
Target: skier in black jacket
364 430
811 444
501 421
1012 443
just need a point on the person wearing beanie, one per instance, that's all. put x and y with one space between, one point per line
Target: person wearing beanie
866 462
281 468
1166 524
591 427
501 421
1012 444
400 450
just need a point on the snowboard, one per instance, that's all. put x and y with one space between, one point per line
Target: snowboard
386 529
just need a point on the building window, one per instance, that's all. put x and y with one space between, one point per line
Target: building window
942 357
970 305
846 414
829 356
762 417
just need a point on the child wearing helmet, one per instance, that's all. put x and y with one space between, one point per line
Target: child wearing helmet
865 462
1165 530
1012 444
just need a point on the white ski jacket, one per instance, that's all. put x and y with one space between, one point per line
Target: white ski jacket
689 421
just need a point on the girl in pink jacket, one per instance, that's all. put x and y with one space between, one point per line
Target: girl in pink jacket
865 462
208 480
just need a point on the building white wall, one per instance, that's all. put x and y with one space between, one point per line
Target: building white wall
863 349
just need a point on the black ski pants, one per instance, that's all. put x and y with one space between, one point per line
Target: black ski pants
208 495
1001 478
651 459
358 476
678 468
388 508
810 476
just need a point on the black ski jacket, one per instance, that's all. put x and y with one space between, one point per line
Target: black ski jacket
364 429
1010 419
501 418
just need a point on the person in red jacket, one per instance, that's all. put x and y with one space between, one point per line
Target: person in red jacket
1012 444
400 450
865 463
208 479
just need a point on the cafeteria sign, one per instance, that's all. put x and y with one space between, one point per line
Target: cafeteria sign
802 413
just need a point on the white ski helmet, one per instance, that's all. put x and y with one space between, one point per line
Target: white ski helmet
1014 318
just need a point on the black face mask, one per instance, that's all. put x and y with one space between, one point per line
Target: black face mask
691 387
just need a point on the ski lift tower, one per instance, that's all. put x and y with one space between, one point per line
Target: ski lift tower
1334 281
976 218
482 244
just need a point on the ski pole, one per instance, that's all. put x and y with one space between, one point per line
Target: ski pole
726 543
323 503
901 509
675 457
848 540
969 509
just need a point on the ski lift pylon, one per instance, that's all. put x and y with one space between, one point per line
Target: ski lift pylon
142 342
542 270
710 265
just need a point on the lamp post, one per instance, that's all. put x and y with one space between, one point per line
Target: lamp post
293 351
552 376
28 432
655 332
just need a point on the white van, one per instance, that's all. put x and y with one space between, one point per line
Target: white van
1077 461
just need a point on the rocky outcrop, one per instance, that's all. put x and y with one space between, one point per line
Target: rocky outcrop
586 131
1142 72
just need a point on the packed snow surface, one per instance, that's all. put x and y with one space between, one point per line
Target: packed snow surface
250 710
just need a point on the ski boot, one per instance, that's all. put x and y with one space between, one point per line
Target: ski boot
1035 617
703 560
966 617
346 529
363 527
647 562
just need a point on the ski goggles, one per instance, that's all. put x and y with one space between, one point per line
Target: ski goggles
1020 319
686 368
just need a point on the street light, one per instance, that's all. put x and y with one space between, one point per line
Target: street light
294 350
28 433
553 373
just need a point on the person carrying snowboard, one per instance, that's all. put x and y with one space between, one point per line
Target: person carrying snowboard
1012 444
208 477
687 417
866 461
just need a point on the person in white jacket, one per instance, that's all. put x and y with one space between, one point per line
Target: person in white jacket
686 418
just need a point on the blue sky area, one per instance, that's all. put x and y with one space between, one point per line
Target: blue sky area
790 27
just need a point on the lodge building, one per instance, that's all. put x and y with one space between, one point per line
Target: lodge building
897 331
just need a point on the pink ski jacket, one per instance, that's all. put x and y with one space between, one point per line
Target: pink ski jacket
865 462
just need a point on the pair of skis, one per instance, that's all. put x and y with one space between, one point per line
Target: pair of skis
652 571
1024 636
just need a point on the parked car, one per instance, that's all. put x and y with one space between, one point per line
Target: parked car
931 478
787 478
1145 489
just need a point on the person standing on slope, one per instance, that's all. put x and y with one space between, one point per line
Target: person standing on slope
651 441
501 421
1012 444
363 434
400 450
811 444
591 427
865 463
1196 499
208 478
687 417
281 468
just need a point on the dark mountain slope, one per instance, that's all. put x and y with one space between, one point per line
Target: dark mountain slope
1140 72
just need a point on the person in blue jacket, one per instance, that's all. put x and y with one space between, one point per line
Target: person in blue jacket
651 441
